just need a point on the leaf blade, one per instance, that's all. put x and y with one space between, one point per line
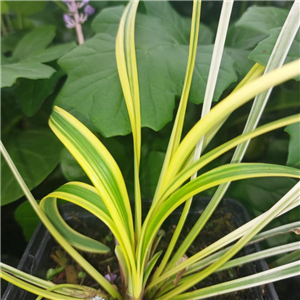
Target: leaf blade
11 72
77 240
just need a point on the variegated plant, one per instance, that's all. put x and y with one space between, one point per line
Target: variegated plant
142 276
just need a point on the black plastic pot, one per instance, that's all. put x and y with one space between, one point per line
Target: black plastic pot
36 257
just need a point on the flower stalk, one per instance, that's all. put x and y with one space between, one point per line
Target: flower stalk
74 18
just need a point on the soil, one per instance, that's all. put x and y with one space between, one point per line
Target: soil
219 225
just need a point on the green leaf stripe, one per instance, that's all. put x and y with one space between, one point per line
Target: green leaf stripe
86 198
102 170
217 176
218 151
265 277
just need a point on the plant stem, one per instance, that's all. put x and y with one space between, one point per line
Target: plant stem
3 27
78 27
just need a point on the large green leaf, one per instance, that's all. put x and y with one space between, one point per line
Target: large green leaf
240 57
4 59
259 195
27 219
239 42
262 19
32 93
253 27
240 37
29 54
11 72
36 153
71 168
52 53
294 145
11 112
33 42
264 49
150 170
26 7
93 93
9 42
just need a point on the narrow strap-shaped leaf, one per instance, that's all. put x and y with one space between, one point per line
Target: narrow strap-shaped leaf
71 251
77 291
76 239
246 232
276 60
265 277
208 157
256 71
218 151
188 171
238 261
87 197
150 267
101 168
179 120
225 107
245 259
34 289
127 69
290 257
124 271
213 178
88 194
215 66
203 262
259 255
27 277
177 131
259 237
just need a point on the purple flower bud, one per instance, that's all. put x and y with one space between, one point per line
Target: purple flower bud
89 10
70 23
65 1
111 277
67 18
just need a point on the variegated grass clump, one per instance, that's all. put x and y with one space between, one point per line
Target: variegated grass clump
108 200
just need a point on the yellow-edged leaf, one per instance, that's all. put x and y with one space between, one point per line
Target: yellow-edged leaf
127 69
179 120
102 170
87 197
224 108
218 151
217 176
